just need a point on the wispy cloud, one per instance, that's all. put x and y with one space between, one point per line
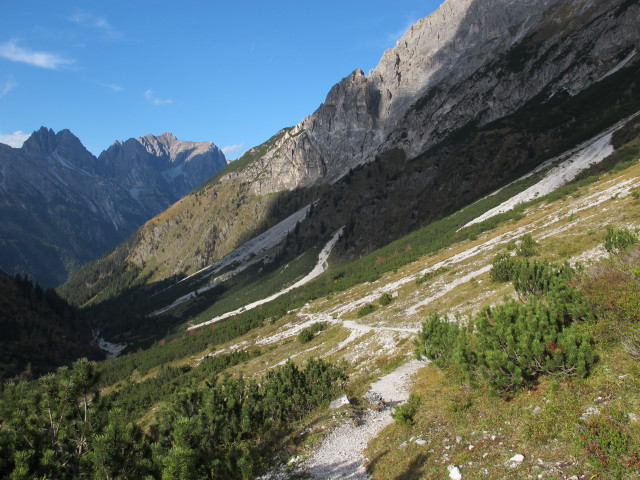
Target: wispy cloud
111 86
15 139
232 148
9 85
149 95
98 22
10 50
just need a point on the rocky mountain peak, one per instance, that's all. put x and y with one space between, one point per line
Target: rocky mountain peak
62 145
42 140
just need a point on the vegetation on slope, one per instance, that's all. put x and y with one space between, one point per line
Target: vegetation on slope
40 331
225 428
580 419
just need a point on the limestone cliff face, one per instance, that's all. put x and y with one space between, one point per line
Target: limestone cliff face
470 61
61 206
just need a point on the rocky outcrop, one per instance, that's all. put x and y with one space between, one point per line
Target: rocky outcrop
61 206
470 61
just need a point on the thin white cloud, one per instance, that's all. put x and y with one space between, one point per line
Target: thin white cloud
149 95
9 85
10 50
111 86
90 20
232 148
15 139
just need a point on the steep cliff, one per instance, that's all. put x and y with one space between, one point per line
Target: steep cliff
470 61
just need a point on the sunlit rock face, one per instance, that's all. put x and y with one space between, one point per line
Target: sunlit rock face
470 61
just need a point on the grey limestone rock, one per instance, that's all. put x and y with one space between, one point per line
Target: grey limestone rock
470 61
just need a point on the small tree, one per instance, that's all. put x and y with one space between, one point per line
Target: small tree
616 240
438 340
527 246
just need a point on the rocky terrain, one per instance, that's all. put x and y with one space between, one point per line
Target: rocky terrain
470 98
63 207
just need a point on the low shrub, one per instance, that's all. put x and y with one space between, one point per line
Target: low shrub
608 445
527 246
385 299
437 340
405 412
366 310
616 240
502 268
308 334
431 275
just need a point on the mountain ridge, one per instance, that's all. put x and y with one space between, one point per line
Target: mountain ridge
576 95
65 207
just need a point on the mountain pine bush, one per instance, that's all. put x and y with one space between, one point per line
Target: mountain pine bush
437 340
511 345
517 342
616 240
502 268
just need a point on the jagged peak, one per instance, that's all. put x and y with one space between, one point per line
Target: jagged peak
42 140
45 140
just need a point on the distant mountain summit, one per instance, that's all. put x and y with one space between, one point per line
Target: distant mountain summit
62 207
160 170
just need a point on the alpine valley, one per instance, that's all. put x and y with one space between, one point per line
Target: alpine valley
436 274
63 207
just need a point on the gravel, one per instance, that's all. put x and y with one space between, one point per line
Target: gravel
340 455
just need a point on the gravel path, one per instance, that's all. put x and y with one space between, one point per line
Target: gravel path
340 455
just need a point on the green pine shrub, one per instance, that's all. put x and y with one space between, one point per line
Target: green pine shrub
538 277
405 412
510 346
385 299
517 342
527 246
617 240
308 334
366 310
437 340
502 268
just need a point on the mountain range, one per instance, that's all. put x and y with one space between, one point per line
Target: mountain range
62 206
473 200
471 97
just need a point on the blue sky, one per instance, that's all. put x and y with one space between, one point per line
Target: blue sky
230 72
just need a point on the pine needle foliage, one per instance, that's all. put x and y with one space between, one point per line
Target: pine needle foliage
510 346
